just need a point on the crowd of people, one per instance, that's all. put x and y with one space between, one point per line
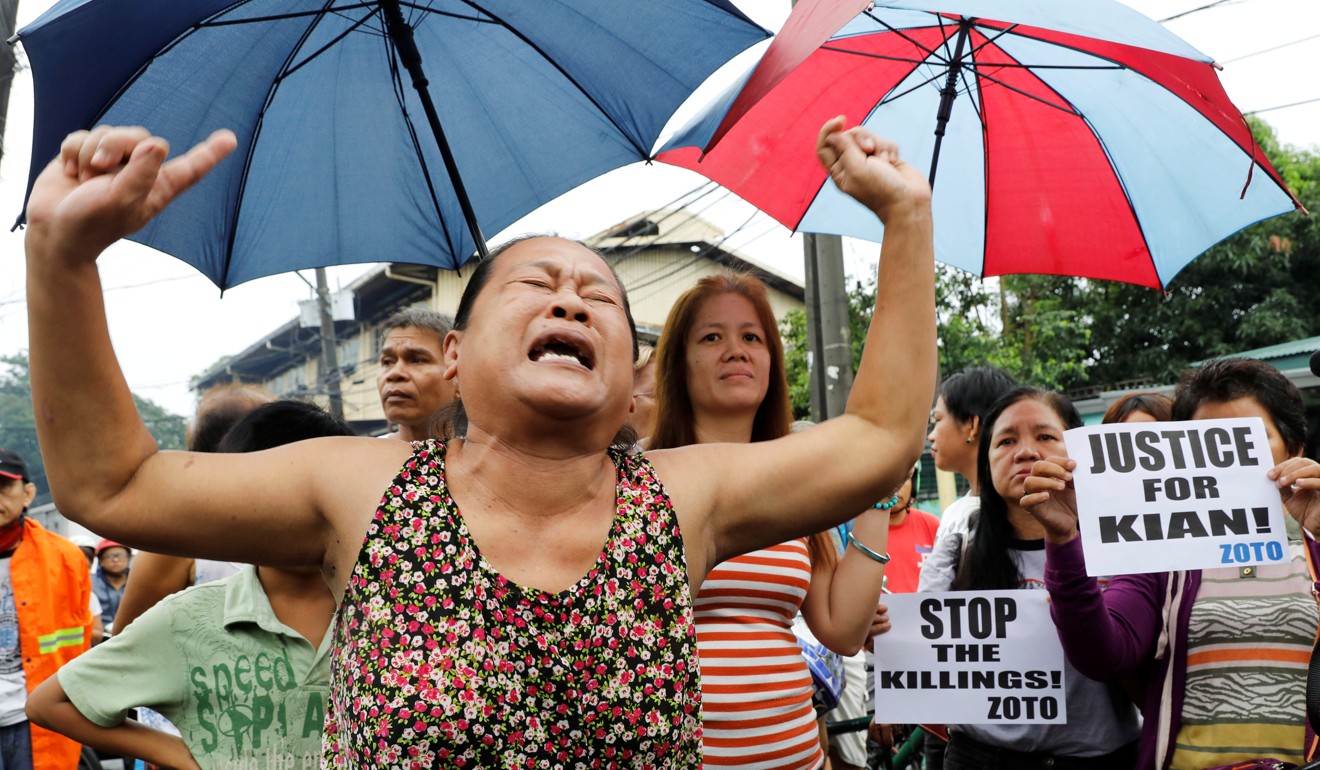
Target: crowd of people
581 552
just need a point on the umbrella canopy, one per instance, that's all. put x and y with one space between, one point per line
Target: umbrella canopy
336 162
1074 138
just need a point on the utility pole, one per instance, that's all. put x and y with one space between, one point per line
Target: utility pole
827 326
8 61
329 346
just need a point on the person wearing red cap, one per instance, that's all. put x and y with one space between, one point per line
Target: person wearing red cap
44 620
110 579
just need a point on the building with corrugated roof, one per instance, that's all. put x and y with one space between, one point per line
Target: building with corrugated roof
658 256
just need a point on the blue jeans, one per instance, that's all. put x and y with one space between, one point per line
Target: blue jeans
16 747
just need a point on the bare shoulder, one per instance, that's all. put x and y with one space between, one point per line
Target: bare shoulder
689 481
350 476
355 465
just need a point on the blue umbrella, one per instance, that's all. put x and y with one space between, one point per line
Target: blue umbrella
342 157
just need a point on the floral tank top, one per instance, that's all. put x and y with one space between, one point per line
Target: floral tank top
440 661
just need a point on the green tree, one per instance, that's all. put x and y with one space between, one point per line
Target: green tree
1023 324
793 328
1256 288
18 429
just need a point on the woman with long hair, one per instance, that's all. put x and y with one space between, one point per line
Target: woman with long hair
1006 550
720 380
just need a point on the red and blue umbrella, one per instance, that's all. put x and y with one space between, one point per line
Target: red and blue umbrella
345 153
1070 138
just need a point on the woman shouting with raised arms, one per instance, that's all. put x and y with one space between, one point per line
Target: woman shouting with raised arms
522 593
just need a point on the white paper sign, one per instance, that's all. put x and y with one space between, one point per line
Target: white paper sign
1161 496
969 657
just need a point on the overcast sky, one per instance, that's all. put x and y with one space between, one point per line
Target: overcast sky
168 323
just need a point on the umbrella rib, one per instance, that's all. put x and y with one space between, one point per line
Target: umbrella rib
1127 198
988 39
870 55
1010 66
1069 109
312 57
922 84
973 93
642 152
166 49
400 92
280 16
929 51
252 146
437 12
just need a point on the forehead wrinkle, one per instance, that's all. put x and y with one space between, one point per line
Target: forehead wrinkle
407 345
586 275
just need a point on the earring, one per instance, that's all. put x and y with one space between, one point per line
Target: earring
967 440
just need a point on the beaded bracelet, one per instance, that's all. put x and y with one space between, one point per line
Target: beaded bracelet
883 558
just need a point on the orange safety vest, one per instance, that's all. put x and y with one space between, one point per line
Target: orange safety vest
51 593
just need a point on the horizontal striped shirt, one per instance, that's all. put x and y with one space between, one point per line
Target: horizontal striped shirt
756 690
1249 642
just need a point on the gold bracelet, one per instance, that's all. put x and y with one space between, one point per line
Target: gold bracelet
883 558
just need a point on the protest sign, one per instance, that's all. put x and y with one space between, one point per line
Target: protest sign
1161 496
969 657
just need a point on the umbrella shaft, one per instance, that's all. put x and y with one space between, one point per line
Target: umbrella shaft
948 94
411 59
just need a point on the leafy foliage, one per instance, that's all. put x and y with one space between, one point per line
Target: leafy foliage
1258 287
18 429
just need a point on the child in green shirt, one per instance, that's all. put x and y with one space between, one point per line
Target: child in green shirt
240 665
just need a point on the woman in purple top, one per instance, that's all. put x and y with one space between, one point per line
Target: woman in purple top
1223 651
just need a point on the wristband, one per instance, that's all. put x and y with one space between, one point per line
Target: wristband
883 558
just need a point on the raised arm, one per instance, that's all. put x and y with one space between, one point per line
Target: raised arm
105 184
746 496
103 466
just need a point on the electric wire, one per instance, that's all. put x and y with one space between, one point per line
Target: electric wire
1206 7
1282 106
1270 49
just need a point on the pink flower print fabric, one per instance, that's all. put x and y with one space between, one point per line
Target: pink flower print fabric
439 661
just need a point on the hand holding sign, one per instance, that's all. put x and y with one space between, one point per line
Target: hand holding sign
1298 478
1050 498
1153 497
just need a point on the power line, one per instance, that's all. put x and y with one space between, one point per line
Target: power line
1271 48
1282 106
22 299
1195 10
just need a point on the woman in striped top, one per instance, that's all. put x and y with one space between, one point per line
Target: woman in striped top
720 378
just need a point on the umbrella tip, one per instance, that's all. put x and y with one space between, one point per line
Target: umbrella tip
12 39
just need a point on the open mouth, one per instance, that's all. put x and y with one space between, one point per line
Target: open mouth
561 348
